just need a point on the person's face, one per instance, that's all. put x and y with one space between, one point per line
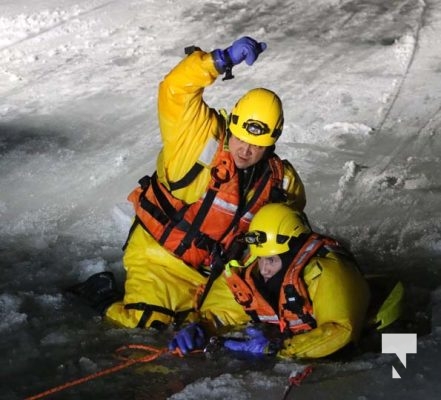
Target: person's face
244 154
269 266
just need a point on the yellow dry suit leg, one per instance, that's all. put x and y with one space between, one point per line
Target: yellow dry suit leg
159 285
156 282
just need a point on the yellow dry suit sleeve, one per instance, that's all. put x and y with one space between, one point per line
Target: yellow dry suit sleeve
294 187
340 298
187 123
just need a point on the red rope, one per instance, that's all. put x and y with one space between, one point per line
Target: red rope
295 379
154 353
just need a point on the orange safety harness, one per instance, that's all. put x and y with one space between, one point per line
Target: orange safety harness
295 313
190 230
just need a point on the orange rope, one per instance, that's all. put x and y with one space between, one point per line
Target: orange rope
127 362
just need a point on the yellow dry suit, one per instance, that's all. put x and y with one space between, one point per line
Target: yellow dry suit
322 303
193 200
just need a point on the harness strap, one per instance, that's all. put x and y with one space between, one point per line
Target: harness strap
144 182
188 178
198 220
168 208
254 316
147 205
166 214
148 310
135 223
295 300
177 221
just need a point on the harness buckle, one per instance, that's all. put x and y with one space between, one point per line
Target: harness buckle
216 175
243 300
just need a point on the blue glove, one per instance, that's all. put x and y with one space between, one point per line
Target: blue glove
190 338
256 344
245 48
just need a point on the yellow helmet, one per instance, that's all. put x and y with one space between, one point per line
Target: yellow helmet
257 118
272 228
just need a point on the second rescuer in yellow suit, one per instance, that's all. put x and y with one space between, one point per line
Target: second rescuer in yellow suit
305 284
212 174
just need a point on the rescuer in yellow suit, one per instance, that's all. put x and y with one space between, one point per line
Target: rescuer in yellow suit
214 172
305 283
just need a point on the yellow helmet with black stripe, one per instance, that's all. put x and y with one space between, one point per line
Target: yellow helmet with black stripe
272 228
257 118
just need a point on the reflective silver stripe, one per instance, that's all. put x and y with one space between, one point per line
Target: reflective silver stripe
230 207
275 318
285 183
269 318
298 321
208 153
307 251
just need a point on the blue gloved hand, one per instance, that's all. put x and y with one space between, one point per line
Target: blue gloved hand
190 338
256 344
245 48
